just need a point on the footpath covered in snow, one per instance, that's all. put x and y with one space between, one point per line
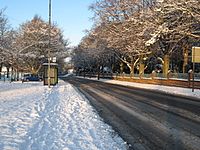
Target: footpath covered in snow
33 117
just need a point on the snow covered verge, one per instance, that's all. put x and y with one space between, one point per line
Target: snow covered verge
33 117
167 89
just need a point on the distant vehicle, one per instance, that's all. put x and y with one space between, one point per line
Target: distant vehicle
31 77
107 70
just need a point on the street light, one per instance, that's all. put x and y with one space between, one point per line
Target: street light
49 45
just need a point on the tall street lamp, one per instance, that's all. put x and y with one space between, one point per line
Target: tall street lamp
49 46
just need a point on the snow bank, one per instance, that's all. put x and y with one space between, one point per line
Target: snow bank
37 118
167 89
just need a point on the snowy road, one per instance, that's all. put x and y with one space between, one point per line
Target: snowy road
33 117
146 119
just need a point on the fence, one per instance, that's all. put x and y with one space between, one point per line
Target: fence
175 76
3 76
95 75
10 76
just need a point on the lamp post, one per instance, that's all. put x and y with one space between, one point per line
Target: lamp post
49 46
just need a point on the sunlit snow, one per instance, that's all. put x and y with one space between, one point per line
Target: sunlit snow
167 89
37 118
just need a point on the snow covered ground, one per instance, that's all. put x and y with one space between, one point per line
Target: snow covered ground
167 89
33 117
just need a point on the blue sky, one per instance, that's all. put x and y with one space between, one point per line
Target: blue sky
72 16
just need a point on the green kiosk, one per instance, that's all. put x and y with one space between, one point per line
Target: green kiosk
53 73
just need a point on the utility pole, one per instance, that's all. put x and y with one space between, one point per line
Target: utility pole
49 46
143 4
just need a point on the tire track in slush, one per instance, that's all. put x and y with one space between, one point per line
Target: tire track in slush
146 115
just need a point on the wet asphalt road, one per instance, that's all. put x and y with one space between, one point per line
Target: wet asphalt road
146 119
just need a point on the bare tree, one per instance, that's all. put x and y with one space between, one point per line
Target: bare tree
31 44
176 22
126 27
137 30
6 38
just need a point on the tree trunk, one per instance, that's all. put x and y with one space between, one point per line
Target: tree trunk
185 58
1 65
98 73
33 70
132 70
84 72
166 65
11 78
141 67
141 70
102 70
113 64
121 68
17 73
8 71
132 67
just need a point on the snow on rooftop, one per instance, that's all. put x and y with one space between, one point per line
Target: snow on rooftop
35 117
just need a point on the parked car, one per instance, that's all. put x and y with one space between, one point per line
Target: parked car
31 77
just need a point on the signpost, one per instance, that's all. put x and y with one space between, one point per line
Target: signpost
195 59
49 46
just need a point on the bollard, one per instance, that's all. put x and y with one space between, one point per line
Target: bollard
168 74
4 76
153 74
123 74
190 76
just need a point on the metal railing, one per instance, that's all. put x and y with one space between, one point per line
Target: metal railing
4 76
154 75
178 76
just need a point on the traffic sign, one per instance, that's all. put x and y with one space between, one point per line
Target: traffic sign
196 54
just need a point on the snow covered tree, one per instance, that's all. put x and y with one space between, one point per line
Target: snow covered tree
92 54
138 30
176 21
126 26
3 32
6 38
181 16
32 44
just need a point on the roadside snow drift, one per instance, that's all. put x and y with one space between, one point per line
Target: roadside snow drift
33 117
